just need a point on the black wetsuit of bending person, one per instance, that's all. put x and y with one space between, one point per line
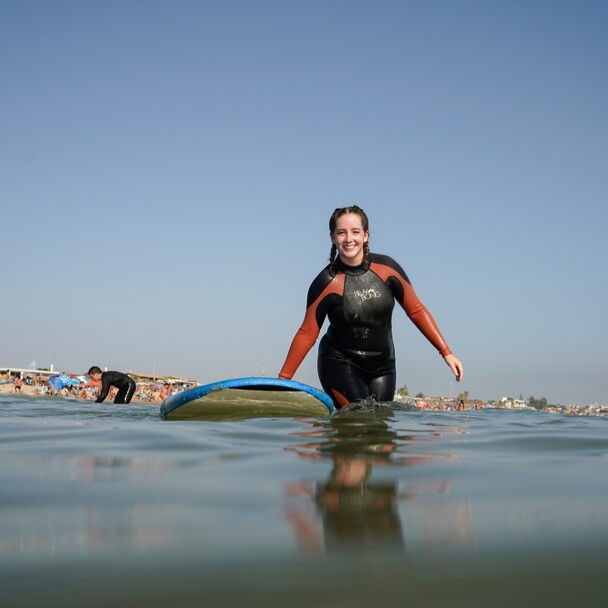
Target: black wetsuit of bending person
356 356
126 387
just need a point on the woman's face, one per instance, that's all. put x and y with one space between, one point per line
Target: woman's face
348 237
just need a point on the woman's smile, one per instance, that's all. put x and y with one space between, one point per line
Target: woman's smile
349 238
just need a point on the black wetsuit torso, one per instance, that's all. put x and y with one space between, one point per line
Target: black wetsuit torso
125 385
359 319
357 355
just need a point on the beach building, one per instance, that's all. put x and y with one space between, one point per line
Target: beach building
514 404
19 372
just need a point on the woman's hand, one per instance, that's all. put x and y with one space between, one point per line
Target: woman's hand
455 365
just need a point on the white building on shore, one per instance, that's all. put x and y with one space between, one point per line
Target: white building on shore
513 404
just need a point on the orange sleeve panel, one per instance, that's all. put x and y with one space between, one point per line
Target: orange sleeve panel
308 333
413 307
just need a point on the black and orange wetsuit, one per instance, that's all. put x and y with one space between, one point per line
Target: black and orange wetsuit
357 356
126 387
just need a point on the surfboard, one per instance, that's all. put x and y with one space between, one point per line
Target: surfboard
239 398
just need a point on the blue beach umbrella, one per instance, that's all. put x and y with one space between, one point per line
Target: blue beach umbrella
61 380
55 382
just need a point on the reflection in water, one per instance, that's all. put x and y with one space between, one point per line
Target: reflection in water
85 505
354 510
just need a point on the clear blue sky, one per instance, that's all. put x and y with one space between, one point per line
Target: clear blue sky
167 170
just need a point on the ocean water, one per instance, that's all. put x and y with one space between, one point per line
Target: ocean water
109 505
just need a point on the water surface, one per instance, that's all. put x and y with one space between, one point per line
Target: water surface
103 505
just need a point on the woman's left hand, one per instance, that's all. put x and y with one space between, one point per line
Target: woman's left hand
455 365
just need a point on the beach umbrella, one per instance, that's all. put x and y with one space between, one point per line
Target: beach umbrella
55 382
61 380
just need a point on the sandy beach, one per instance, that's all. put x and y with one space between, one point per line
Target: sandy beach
145 393
9 388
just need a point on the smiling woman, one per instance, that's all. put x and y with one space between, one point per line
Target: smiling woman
357 291
349 234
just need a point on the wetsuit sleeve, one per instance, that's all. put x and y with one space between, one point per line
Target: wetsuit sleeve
423 320
308 333
105 388
404 293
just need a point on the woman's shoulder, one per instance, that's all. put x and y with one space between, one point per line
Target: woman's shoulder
320 282
387 261
381 258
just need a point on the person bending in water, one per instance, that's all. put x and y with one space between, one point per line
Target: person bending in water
357 291
125 385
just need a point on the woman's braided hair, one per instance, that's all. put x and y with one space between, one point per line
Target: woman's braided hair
340 211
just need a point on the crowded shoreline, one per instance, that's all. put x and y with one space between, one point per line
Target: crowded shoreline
149 389
154 390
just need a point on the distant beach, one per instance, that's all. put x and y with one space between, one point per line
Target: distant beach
154 389
148 390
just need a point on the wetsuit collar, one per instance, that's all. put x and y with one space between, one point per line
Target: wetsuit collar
340 266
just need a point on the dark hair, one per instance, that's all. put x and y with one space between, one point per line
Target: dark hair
339 212
94 370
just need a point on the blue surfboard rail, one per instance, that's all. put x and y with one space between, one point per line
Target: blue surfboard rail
262 383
